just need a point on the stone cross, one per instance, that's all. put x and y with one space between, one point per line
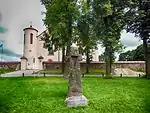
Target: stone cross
74 96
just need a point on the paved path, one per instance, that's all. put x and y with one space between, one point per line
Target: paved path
20 73
126 72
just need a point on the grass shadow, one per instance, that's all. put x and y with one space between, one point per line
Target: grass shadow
4 104
147 104
147 96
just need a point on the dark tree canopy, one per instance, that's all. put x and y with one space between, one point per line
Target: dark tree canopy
134 55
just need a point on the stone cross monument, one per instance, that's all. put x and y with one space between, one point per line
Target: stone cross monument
75 97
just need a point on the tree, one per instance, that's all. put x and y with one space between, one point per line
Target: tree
102 58
139 53
60 17
134 55
86 37
127 56
139 24
109 22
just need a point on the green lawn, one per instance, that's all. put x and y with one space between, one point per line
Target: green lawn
47 95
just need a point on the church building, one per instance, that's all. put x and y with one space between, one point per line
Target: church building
34 54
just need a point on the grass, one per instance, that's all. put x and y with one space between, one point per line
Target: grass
47 95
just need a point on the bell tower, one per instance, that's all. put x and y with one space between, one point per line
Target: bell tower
29 58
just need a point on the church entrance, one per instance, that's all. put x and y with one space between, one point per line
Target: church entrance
31 63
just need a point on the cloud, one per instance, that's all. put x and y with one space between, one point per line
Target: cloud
130 41
17 14
8 55
2 29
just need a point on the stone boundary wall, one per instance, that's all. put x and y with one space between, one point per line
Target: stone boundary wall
10 65
135 65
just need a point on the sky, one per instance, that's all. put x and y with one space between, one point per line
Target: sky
18 14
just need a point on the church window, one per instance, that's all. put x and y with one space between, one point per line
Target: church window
31 38
33 60
24 38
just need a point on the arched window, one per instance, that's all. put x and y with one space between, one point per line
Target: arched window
24 38
31 38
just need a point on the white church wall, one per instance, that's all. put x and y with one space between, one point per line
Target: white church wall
35 49
57 56
23 64
95 56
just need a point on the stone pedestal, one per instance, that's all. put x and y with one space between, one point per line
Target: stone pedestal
75 101
75 97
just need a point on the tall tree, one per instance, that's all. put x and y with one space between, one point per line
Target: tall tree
133 55
86 39
60 17
139 24
109 22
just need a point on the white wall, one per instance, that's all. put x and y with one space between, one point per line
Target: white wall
23 64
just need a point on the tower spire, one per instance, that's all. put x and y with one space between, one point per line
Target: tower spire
31 24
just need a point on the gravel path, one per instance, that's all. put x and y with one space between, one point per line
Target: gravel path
126 72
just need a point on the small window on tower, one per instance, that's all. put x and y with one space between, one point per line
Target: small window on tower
24 38
33 60
31 38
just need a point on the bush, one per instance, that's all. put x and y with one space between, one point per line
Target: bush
2 71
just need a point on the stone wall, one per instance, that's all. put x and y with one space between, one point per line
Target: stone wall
10 65
135 65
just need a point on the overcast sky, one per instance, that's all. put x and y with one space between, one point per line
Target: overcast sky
17 14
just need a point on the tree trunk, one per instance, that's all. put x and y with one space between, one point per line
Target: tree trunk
68 44
147 58
87 60
148 62
63 59
66 70
145 54
107 61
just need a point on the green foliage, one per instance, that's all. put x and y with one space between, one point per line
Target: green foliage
134 55
57 17
102 58
109 18
2 71
45 95
126 56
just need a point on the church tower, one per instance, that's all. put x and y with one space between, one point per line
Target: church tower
29 60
